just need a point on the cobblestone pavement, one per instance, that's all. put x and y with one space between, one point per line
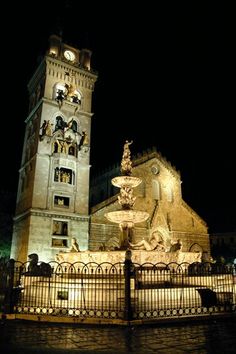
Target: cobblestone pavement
216 336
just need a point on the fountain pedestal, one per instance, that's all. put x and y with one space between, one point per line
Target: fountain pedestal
126 217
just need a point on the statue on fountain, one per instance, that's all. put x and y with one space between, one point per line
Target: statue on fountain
154 243
126 164
74 245
126 198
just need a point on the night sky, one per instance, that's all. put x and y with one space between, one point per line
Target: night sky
166 79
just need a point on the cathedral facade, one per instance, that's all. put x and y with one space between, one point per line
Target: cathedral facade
52 205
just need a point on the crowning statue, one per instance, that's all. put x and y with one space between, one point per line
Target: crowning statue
126 164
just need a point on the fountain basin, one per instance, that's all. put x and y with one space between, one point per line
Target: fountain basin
138 256
126 181
129 216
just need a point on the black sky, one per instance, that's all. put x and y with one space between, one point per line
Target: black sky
166 79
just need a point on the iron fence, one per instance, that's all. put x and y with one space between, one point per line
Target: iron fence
125 291
174 290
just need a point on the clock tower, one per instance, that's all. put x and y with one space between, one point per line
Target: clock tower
52 204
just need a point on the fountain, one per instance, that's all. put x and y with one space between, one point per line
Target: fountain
126 217
151 250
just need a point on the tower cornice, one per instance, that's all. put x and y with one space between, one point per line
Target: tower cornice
51 214
67 104
55 104
55 66
74 69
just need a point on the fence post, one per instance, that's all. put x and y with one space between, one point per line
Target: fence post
127 273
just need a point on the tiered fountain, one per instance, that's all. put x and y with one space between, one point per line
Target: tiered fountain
126 217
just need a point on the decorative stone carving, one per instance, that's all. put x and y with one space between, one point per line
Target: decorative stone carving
126 164
126 218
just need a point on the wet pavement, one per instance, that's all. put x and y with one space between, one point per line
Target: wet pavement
23 337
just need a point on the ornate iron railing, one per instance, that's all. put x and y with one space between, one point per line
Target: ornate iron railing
124 291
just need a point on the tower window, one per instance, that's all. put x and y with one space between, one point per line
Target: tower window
66 92
62 202
59 242
72 124
64 175
71 150
60 228
60 92
76 97
60 124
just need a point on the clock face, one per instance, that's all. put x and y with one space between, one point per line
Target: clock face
69 55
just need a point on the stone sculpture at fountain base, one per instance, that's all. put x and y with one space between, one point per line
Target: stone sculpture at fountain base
137 256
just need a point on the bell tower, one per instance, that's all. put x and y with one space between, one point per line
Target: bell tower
52 203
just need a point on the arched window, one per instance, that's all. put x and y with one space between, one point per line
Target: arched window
75 97
71 150
60 123
156 189
63 91
195 248
170 197
59 89
74 126
56 147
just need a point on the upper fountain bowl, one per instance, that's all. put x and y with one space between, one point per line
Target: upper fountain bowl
126 181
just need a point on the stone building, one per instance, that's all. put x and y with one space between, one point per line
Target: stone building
52 205
160 195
